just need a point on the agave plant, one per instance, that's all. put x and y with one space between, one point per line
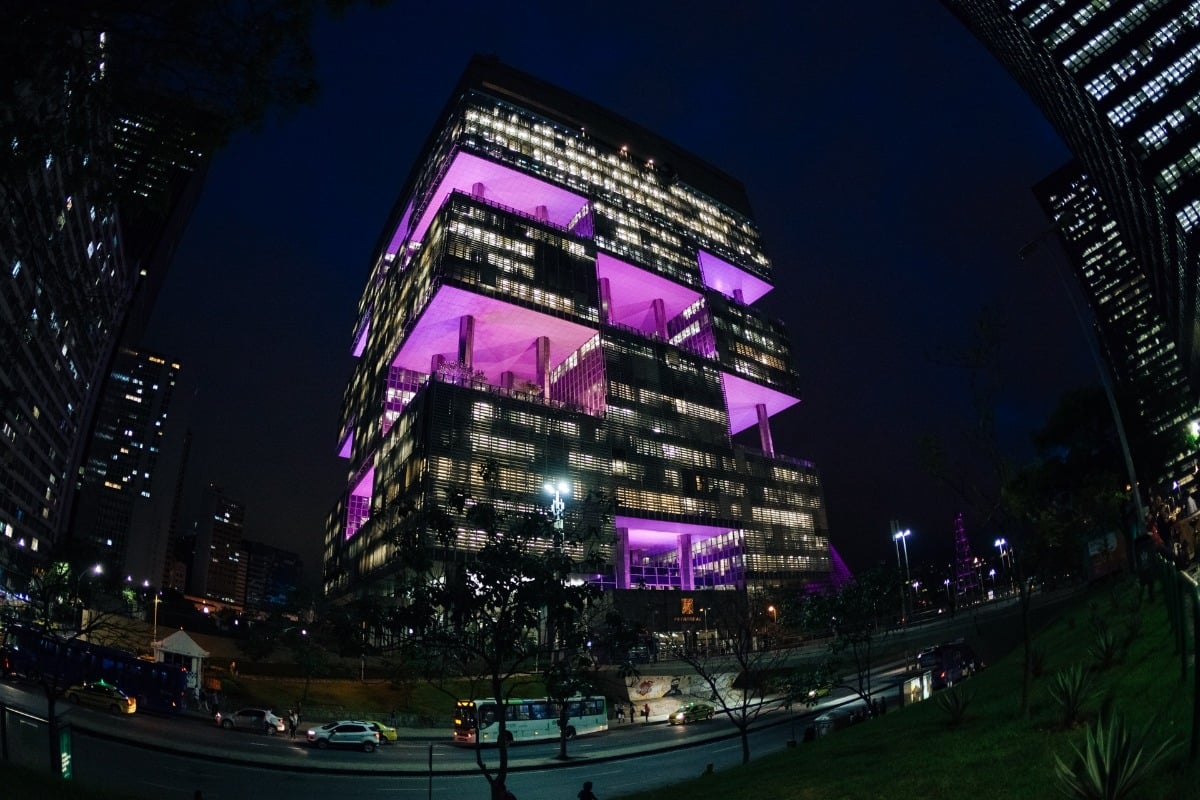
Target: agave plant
954 702
1112 762
1071 688
1106 649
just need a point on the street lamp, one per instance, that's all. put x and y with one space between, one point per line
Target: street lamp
901 537
559 489
157 600
771 611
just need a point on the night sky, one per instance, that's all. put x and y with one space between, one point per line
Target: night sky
887 156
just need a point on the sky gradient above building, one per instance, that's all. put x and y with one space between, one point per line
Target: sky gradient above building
887 157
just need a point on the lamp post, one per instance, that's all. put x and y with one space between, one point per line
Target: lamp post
157 600
559 489
771 611
901 538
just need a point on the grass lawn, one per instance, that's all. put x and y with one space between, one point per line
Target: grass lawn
994 752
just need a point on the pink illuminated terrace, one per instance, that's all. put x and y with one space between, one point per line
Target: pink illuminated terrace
742 398
730 280
477 176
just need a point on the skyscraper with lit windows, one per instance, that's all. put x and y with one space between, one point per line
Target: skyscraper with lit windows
1157 408
1120 82
571 297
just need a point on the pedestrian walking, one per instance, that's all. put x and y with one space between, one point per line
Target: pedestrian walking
293 721
621 714
646 714
586 792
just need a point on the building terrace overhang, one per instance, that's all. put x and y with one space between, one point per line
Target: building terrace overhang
730 279
500 184
655 536
633 290
505 336
742 398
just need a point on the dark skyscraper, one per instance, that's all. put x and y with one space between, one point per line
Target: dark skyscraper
1157 409
93 204
127 498
1120 82
571 298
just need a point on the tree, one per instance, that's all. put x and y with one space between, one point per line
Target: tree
746 678
70 598
476 613
854 616
1009 501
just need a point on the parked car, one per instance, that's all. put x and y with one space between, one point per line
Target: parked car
387 734
691 712
253 719
345 733
103 695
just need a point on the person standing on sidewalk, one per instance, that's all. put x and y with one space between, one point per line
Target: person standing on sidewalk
586 792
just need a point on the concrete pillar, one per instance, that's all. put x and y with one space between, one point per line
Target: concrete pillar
764 430
660 318
605 300
541 213
543 365
477 190
739 297
621 558
506 379
436 362
466 341
683 546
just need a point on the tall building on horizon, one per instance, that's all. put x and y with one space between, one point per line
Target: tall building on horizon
219 560
1157 408
565 295
128 500
1120 82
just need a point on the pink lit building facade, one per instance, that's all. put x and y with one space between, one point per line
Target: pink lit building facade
571 297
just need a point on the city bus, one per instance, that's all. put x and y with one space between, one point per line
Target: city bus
527 720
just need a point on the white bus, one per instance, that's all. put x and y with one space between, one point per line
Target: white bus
527 720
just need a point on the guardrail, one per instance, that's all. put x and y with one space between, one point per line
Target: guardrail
1181 599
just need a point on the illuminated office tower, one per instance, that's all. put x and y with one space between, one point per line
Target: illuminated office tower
93 200
1157 409
128 499
1119 81
571 297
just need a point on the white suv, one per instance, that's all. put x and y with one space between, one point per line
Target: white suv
345 733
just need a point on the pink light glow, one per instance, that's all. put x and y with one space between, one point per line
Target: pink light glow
502 185
726 278
505 335
401 230
360 341
655 536
347 445
633 290
358 505
743 396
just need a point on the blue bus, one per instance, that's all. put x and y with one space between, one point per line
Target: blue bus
36 654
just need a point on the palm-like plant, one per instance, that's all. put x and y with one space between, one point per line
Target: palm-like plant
1106 649
954 702
1071 688
1112 762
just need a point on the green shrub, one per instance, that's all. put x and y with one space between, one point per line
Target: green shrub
954 702
1106 649
1071 688
1113 761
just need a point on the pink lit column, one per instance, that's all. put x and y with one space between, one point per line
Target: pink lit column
621 558
605 300
466 341
543 365
764 430
687 581
660 318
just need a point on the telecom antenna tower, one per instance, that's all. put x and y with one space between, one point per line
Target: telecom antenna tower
967 580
